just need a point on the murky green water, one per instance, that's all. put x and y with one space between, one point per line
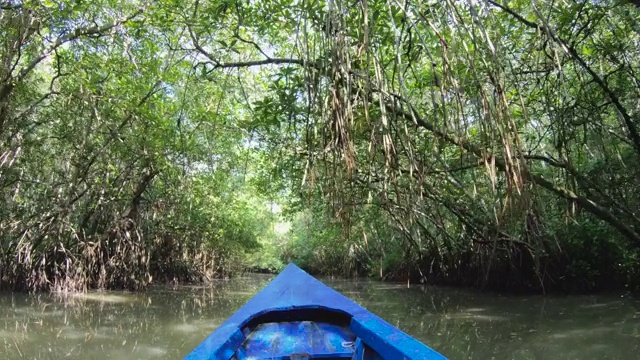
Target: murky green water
167 322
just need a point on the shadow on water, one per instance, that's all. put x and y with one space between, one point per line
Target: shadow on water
167 322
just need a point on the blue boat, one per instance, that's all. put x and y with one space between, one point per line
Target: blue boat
298 317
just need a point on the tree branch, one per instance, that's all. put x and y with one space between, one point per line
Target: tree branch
243 64
251 42
634 134
269 61
77 33
589 205
516 15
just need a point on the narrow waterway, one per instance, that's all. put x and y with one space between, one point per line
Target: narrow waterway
167 322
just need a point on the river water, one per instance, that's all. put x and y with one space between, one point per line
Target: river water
167 322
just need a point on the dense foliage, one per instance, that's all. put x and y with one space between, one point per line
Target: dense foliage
118 162
492 144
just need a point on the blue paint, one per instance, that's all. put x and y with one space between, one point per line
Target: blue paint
292 298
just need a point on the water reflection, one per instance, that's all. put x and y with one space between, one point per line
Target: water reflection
167 322
161 323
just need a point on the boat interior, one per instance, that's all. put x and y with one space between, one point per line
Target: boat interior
300 334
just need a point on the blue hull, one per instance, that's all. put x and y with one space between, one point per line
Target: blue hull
297 317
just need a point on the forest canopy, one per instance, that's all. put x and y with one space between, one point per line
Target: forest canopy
480 143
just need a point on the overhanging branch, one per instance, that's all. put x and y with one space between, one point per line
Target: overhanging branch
217 64
634 134
268 61
589 205
77 33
